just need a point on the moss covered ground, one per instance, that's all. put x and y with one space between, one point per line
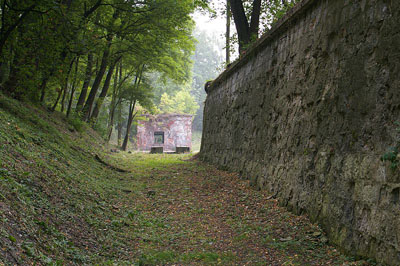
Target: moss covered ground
61 205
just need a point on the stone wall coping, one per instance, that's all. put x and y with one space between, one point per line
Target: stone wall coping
165 115
278 27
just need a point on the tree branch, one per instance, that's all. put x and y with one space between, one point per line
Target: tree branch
91 10
6 34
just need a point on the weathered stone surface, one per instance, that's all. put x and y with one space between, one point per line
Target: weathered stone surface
182 149
176 131
156 150
308 113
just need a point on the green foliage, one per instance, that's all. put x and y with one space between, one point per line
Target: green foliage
392 155
171 97
38 60
167 105
271 12
181 103
12 239
77 123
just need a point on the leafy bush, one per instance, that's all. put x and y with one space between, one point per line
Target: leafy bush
76 123
392 155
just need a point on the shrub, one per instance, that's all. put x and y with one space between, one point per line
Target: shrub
393 153
76 123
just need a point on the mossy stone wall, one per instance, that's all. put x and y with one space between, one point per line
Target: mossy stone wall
308 112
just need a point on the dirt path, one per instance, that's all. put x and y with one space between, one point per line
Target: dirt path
187 212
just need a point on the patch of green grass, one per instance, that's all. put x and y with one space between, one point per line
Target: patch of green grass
12 239
77 124
168 256
157 257
209 257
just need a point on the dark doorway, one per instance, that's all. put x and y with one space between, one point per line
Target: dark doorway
158 137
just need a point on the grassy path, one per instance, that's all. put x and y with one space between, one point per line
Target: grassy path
59 205
185 212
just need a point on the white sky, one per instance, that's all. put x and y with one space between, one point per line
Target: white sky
215 25
211 25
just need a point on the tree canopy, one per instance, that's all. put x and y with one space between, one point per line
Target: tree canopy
99 60
78 56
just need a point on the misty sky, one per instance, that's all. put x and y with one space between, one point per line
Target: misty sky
215 26
212 25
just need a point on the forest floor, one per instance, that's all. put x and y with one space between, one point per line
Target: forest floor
64 199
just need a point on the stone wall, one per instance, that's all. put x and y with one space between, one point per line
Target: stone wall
309 111
177 131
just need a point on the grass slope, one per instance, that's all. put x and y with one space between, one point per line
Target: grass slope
53 192
59 205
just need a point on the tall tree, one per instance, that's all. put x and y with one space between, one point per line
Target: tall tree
228 34
136 93
86 82
73 87
253 17
246 31
13 13
87 109
104 91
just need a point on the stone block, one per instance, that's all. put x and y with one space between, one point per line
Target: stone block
182 149
157 150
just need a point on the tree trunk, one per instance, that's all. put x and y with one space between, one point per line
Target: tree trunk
58 99
119 126
12 82
246 33
43 88
228 33
73 87
86 82
66 86
87 109
65 91
255 20
242 25
132 104
114 102
104 91
119 137
48 75
110 125
129 124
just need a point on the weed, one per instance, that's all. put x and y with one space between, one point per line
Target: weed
77 123
12 239
393 153
392 157
29 249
